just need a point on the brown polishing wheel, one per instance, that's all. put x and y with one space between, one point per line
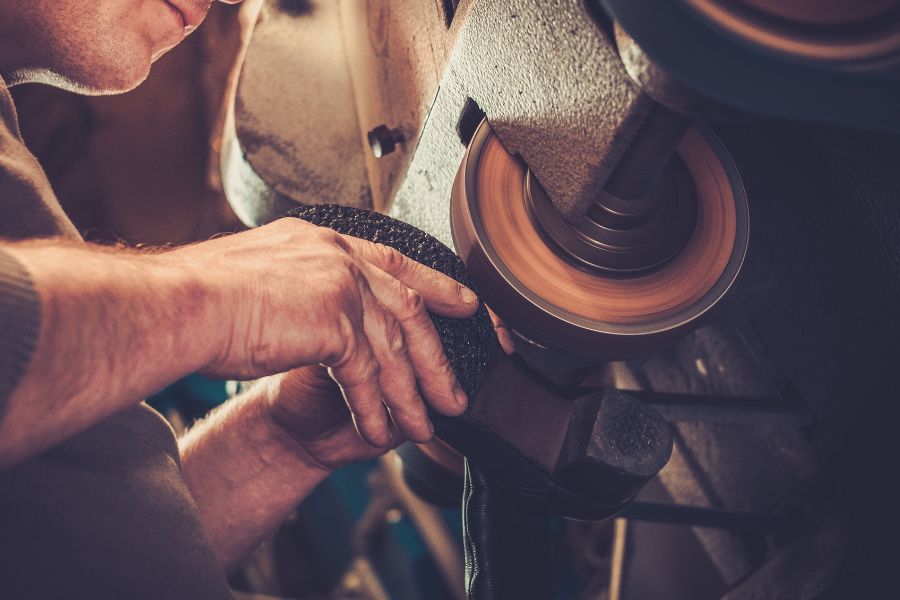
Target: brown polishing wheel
552 301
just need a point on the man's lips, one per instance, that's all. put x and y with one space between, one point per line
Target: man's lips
192 12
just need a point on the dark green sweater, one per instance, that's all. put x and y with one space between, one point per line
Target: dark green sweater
105 514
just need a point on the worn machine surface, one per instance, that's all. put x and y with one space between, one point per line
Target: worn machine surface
695 201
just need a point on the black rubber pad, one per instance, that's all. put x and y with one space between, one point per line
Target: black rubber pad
468 343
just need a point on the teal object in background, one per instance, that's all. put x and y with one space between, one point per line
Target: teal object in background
328 521
192 397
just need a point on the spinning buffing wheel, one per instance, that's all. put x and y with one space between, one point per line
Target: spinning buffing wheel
555 295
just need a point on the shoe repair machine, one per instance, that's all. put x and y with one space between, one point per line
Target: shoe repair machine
599 166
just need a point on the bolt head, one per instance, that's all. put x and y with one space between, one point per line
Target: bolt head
382 141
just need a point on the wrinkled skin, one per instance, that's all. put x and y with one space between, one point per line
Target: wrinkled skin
306 295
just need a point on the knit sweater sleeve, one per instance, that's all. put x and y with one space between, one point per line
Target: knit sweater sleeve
20 317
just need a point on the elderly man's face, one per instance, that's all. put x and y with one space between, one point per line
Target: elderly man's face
92 46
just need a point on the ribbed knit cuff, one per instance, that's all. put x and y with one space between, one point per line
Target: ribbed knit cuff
20 321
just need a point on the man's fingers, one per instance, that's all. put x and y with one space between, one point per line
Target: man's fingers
424 351
397 357
357 374
443 295
396 378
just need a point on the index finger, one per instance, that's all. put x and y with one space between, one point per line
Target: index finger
442 294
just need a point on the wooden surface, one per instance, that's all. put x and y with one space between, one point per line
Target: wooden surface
396 52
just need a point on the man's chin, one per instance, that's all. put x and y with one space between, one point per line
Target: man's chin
99 82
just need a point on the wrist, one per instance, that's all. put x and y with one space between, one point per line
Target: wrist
198 290
239 445
280 436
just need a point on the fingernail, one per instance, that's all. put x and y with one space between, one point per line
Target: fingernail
467 295
460 397
431 426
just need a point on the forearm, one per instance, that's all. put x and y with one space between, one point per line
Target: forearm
245 473
115 326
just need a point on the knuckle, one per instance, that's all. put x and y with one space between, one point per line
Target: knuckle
369 370
443 363
412 305
346 270
327 236
334 240
357 372
353 270
341 242
374 421
336 354
395 340
343 344
392 259
415 412
440 377
342 287
410 411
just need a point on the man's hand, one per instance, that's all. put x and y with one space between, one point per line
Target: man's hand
117 325
306 404
254 459
295 294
